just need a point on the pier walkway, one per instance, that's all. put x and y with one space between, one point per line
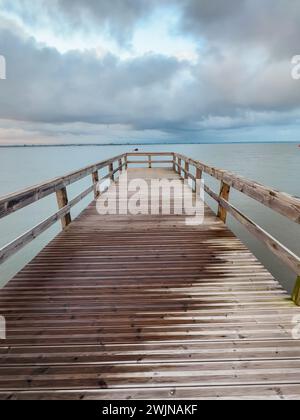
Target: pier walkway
147 306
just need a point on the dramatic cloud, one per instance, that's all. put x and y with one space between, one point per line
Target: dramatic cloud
116 17
46 86
240 78
272 25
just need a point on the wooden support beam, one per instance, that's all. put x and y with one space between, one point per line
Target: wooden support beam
111 172
224 194
187 170
296 293
174 163
62 201
179 166
95 177
198 179
120 166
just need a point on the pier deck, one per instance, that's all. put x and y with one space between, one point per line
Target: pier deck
129 307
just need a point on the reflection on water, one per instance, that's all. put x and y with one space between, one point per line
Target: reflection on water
273 165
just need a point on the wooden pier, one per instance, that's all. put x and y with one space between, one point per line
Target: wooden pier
147 306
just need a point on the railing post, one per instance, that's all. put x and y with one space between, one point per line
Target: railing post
296 293
187 170
95 177
174 163
120 166
199 175
111 172
62 201
224 193
179 166
126 162
150 161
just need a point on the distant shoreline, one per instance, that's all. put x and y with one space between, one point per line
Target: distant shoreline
15 146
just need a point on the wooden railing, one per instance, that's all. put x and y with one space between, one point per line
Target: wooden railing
282 203
13 202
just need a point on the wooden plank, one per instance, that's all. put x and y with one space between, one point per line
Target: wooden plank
147 307
140 154
257 392
285 204
62 201
146 162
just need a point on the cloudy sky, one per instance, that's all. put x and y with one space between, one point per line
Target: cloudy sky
149 70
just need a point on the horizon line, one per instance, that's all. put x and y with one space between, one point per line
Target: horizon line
24 145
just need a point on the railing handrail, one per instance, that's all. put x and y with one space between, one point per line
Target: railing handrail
285 204
13 202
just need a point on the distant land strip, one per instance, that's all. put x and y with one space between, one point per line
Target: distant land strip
141 144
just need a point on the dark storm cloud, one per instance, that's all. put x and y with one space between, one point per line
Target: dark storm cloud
44 85
117 17
242 76
269 24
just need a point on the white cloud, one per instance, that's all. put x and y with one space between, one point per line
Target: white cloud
168 66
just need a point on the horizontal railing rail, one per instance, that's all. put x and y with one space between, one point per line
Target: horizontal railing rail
282 203
11 203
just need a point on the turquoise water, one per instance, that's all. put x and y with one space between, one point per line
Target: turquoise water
273 165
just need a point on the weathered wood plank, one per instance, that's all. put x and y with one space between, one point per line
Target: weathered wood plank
147 307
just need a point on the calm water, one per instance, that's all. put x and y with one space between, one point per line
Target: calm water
273 165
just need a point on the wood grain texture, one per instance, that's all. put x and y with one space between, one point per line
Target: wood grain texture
278 249
224 194
62 201
284 204
147 307
16 201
